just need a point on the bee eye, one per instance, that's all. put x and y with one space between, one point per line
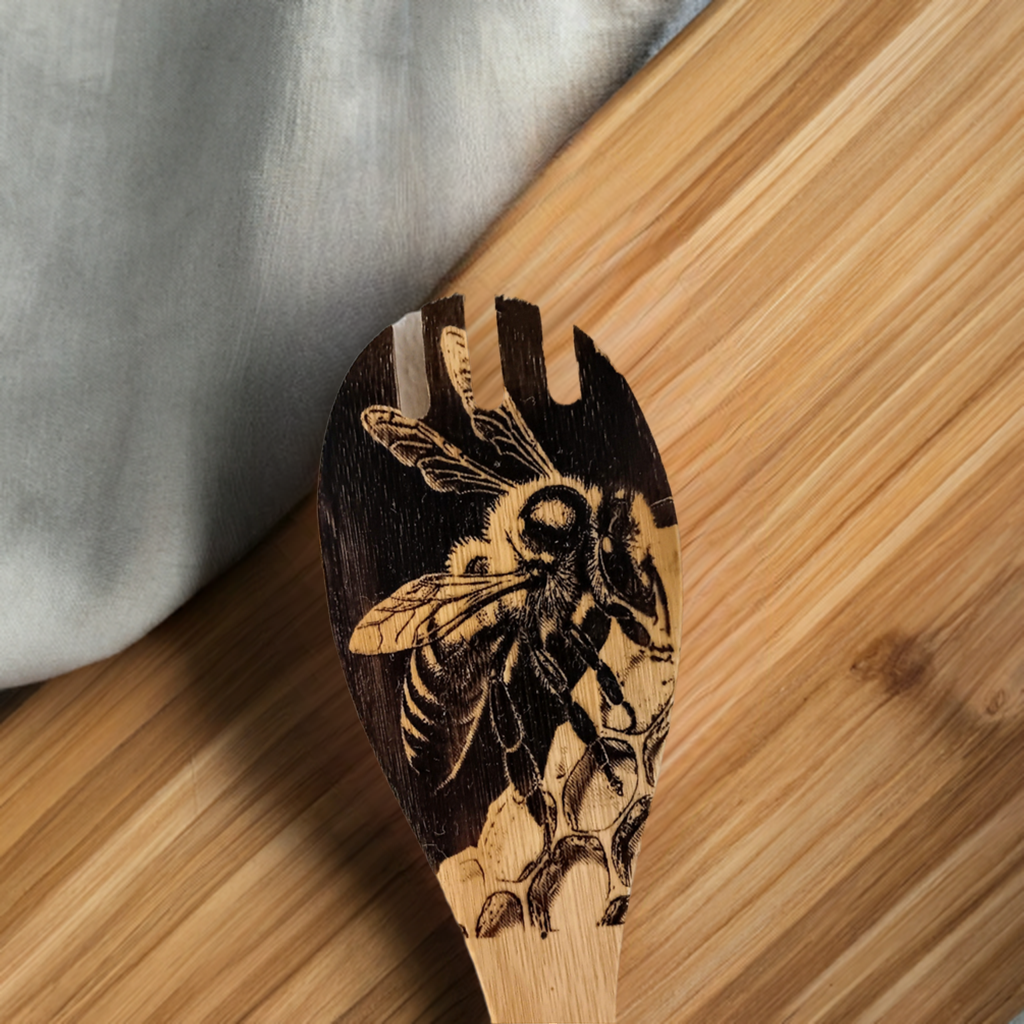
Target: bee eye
553 520
626 579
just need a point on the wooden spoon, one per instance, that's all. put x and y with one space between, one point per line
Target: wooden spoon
505 596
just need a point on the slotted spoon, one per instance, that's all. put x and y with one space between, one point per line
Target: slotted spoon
505 596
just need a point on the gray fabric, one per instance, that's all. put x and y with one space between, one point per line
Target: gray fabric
206 209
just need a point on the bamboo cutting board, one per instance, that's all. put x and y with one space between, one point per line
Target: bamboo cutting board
800 235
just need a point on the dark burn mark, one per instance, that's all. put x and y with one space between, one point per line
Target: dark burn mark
616 912
571 851
899 661
626 841
501 910
654 744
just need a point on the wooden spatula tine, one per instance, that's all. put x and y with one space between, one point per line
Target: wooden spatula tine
504 592
521 347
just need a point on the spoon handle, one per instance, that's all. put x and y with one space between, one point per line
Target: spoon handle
570 976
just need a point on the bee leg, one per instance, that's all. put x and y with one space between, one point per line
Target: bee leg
630 624
525 779
505 720
606 678
542 809
520 765
584 727
523 774
555 680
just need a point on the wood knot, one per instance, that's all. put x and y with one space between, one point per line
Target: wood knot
899 661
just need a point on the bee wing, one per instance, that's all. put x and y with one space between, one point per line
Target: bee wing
503 427
430 608
443 465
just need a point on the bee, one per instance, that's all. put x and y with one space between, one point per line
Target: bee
521 610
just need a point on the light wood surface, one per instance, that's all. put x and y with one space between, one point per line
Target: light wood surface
800 235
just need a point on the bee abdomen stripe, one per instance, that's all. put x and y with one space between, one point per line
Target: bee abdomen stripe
410 754
409 729
414 685
412 710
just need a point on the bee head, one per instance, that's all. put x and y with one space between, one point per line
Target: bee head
554 520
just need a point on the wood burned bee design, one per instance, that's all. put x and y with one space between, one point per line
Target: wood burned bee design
522 612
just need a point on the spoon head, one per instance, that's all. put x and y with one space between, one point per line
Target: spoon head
505 596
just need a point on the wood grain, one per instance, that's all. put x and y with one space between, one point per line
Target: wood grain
800 235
